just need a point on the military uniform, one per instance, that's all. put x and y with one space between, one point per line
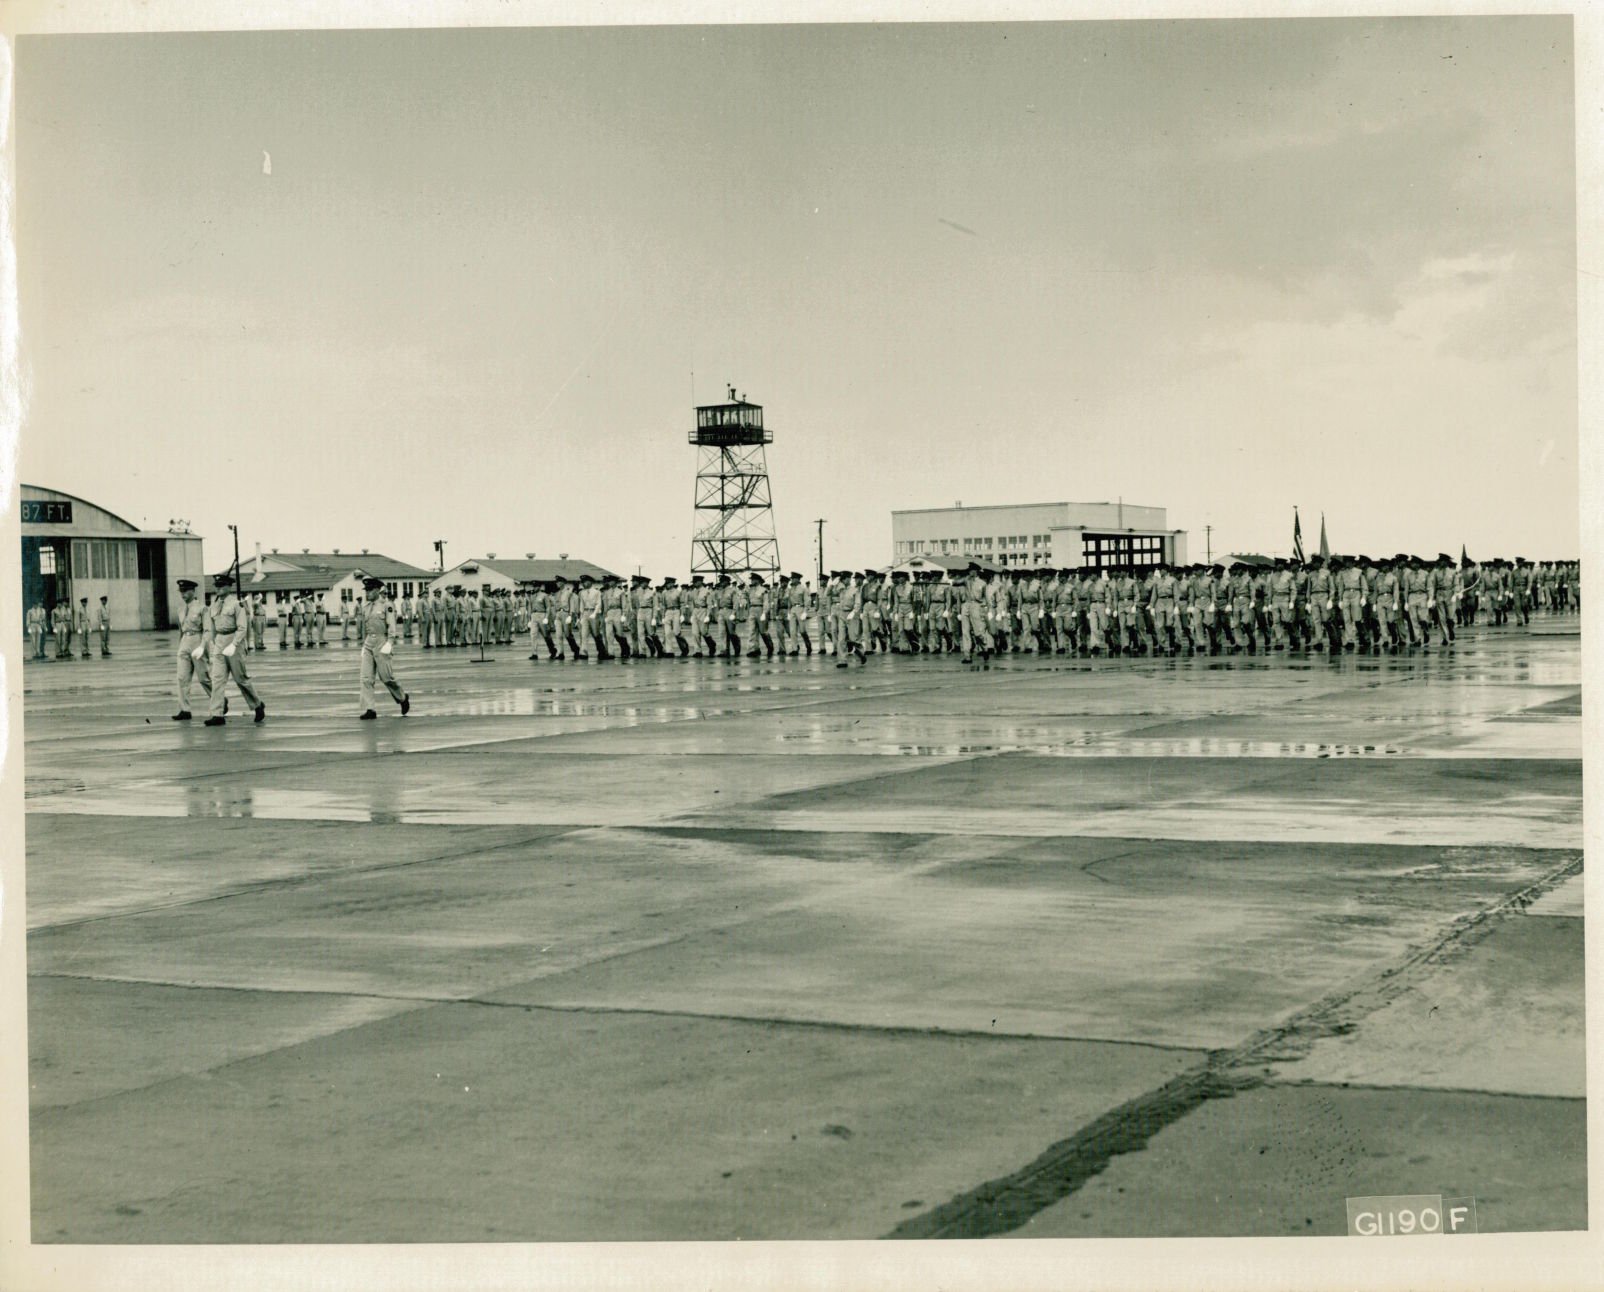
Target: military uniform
191 649
225 629
377 622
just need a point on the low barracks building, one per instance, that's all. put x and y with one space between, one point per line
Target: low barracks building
73 549
333 579
507 573
1065 535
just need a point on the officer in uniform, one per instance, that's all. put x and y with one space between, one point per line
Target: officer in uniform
378 631
590 608
1322 595
1350 591
103 623
258 621
80 625
693 603
672 623
191 648
224 638
975 623
1418 602
36 631
540 623
1448 594
849 621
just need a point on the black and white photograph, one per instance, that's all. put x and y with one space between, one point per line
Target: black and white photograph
652 647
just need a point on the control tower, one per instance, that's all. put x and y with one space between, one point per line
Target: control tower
734 532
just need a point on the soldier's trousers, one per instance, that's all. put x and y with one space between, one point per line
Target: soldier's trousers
847 634
1030 620
590 630
1166 618
105 641
191 669
1418 616
375 665
1351 611
225 667
1096 627
258 630
975 630
1281 622
36 641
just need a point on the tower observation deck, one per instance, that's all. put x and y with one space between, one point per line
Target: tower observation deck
734 532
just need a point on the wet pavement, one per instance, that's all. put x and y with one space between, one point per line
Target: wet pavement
694 949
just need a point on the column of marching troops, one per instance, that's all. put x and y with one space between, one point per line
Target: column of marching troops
1330 604
1334 605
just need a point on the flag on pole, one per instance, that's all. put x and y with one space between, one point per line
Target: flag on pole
1325 552
1297 536
1464 561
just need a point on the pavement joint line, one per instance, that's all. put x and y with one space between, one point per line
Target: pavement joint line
834 1025
1005 1204
435 1002
1405 1087
533 834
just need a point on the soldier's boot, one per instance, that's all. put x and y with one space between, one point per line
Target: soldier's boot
807 643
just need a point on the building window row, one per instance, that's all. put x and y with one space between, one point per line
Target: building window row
104 559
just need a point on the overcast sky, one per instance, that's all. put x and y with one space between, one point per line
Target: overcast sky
1219 267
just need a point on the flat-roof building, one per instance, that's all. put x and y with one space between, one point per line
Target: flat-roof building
73 549
334 578
1102 535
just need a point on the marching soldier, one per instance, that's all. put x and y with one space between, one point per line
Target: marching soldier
1448 593
378 629
1322 595
590 628
669 599
1350 592
224 634
849 620
191 649
644 606
975 624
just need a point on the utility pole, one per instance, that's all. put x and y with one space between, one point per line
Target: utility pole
820 524
1208 550
235 528
440 553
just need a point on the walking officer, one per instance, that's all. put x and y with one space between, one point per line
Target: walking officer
378 631
191 648
225 637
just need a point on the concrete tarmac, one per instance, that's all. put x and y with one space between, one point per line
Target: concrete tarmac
703 949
